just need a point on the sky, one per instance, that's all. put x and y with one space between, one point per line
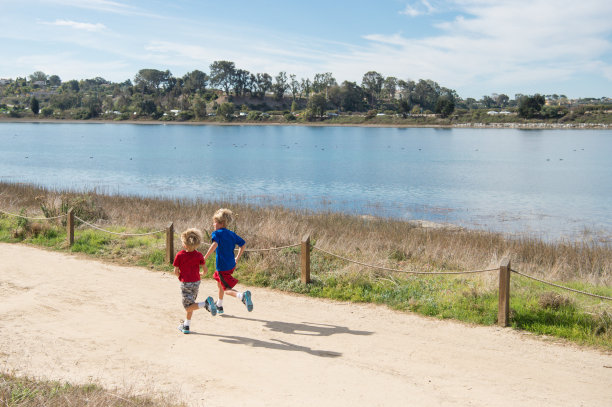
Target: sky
476 47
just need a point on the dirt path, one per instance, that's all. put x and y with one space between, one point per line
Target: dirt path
63 317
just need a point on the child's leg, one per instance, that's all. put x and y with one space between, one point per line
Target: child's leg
221 290
232 292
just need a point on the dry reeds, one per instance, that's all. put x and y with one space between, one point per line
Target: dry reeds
380 242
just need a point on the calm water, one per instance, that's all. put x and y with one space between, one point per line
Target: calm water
551 183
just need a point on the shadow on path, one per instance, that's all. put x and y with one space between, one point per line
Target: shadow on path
304 328
276 345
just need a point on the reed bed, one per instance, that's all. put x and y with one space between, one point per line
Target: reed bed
377 241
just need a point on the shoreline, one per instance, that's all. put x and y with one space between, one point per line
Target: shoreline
536 126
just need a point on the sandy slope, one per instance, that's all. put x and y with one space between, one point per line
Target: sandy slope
64 317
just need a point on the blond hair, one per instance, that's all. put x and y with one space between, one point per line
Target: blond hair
191 238
223 216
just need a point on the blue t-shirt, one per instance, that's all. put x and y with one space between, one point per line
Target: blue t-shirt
226 242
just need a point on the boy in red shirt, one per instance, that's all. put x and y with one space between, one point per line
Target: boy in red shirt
187 265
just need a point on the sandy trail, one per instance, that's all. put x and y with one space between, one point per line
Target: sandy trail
64 317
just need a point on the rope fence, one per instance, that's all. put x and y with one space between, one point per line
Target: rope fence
504 269
117 233
30 218
403 271
603 297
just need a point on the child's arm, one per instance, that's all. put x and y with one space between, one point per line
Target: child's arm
240 251
177 272
212 248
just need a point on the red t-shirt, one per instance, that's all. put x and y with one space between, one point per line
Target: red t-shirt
189 265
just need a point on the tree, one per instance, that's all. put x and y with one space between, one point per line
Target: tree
294 86
406 89
195 81
306 87
199 107
262 82
530 106
152 79
38 76
222 74
351 96
317 103
34 105
502 100
372 83
322 82
426 93
403 108
445 106
226 111
242 82
390 86
280 86
55 80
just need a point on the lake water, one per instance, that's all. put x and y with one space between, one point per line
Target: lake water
549 183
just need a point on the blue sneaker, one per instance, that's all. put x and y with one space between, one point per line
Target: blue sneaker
219 310
183 328
210 306
246 300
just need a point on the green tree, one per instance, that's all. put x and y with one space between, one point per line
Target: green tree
262 82
242 82
226 111
317 104
34 105
195 81
426 93
280 86
55 80
445 106
199 107
372 83
222 74
38 76
403 108
530 106
390 87
152 80
351 97
322 82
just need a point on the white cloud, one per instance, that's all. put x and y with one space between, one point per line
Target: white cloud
501 43
418 8
79 26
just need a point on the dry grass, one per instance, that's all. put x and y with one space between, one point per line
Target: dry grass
26 392
380 242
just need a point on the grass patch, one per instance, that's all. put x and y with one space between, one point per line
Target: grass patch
26 392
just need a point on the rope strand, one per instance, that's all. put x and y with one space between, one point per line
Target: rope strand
119 234
403 271
27 217
603 297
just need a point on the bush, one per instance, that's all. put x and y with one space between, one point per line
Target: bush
46 111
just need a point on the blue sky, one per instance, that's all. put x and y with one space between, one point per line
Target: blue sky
477 47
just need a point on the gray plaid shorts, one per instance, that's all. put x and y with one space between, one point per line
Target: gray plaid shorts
190 292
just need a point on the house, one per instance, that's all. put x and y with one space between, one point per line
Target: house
5 81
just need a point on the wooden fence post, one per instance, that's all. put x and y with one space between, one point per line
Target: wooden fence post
503 310
70 227
170 243
305 259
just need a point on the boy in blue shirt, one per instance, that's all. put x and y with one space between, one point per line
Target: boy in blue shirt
223 244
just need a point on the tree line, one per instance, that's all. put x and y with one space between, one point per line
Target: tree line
154 93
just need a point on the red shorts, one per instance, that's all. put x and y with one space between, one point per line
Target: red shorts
225 278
